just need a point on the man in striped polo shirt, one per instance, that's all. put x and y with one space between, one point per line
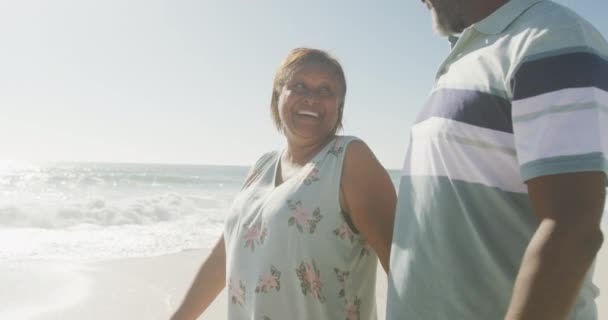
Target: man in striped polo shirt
503 186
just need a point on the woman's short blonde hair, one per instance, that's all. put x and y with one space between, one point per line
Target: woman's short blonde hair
296 58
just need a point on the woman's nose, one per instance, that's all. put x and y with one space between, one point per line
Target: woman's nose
311 97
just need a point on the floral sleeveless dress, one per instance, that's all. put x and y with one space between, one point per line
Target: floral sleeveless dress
291 253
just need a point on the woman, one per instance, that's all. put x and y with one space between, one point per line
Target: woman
297 241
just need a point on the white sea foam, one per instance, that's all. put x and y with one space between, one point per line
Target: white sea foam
138 210
102 211
93 242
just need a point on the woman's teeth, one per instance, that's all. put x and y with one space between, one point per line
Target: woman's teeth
308 113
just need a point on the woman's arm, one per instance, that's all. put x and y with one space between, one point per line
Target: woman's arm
368 196
207 284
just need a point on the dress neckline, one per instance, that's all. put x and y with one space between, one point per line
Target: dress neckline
313 160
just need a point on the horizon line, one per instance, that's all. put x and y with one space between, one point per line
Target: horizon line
129 162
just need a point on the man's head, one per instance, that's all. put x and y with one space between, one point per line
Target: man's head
448 17
453 16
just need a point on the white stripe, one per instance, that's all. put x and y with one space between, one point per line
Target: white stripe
437 125
439 153
562 134
558 98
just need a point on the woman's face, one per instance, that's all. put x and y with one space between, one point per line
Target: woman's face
309 103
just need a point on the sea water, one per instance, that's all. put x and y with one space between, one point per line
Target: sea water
105 210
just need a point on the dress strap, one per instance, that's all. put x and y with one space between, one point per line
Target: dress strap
260 166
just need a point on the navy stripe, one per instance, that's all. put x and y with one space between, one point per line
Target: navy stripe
476 108
572 70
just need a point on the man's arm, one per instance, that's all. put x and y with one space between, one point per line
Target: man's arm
569 209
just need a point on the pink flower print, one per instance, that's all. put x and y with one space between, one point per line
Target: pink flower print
254 234
313 279
311 176
345 232
237 293
302 219
352 309
251 235
300 216
310 280
342 277
269 281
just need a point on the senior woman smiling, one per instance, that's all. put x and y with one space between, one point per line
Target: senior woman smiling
302 237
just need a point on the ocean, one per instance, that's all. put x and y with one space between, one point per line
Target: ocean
101 211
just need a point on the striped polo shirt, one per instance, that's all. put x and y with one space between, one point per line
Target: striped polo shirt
522 94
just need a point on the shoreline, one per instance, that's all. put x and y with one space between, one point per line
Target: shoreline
139 288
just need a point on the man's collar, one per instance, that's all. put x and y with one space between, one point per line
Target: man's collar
500 19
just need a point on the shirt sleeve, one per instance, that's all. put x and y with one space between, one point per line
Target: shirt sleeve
560 104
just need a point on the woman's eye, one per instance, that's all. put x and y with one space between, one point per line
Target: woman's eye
299 87
325 91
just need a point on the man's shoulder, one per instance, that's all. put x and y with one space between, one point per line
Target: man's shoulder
548 27
549 15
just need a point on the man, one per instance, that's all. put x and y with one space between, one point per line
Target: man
503 185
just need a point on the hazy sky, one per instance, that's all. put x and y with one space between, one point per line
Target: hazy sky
186 81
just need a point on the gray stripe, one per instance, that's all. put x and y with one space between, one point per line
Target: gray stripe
459 235
450 235
560 109
594 161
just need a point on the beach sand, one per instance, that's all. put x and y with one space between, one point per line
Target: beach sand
136 288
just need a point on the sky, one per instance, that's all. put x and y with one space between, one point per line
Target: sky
184 81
